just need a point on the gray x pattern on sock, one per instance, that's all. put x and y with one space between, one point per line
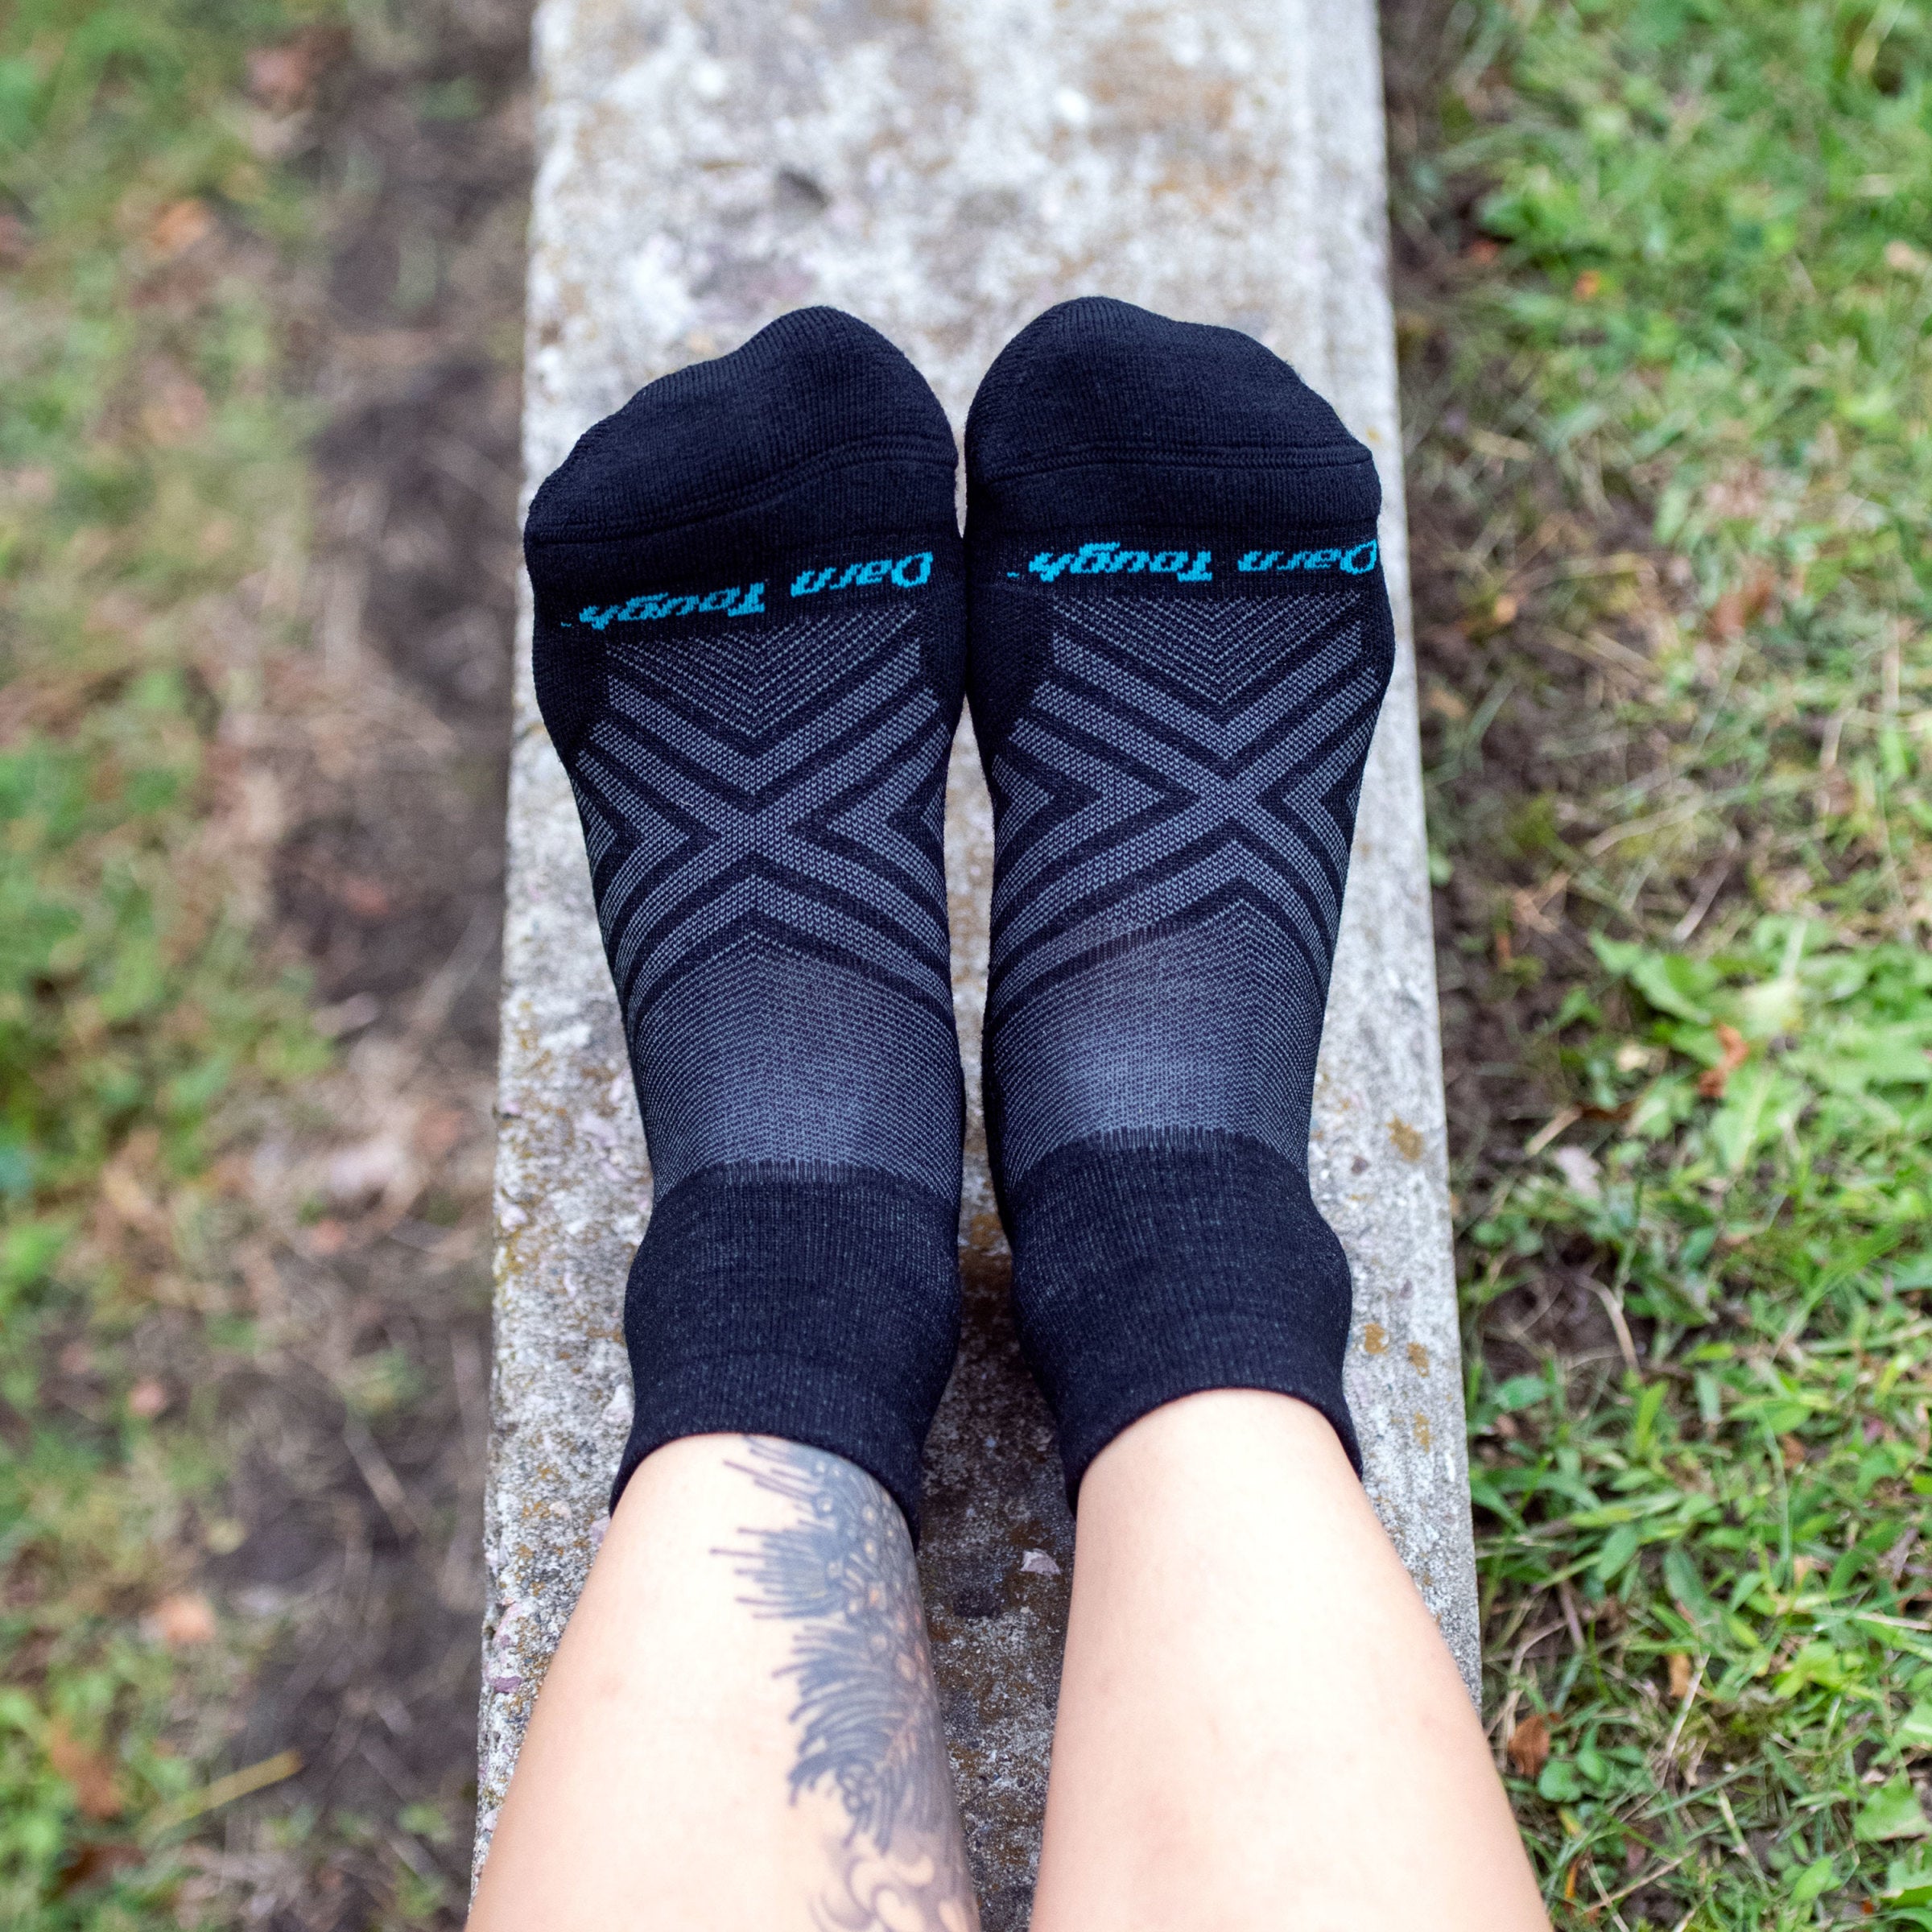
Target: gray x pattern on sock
763 810
1174 805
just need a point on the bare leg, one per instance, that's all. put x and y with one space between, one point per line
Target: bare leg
1260 1726
739 1732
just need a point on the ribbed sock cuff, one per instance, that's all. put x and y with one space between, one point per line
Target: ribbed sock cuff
821 1305
1147 1267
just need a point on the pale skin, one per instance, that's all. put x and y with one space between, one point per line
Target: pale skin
1259 1727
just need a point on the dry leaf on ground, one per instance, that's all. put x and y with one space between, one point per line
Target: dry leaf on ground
283 78
147 1399
1713 1080
1581 1170
179 227
91 1773
1530 1745
184 1620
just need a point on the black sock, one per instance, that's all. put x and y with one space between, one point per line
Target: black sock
1180 639
750 652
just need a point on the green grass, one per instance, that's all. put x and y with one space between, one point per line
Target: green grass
1675 398
152 515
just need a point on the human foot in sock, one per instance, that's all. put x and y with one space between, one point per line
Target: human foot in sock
1180 639
748 652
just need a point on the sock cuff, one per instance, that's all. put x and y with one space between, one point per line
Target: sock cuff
814 1303
1148 1267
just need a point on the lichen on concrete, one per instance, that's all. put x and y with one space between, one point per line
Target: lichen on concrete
946 169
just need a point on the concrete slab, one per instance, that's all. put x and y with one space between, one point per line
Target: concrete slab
946 169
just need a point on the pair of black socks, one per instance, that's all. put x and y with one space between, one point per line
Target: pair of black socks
755 621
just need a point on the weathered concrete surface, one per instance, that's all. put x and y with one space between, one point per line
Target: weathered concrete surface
946 169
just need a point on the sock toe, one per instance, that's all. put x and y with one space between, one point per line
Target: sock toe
818 425
1100 407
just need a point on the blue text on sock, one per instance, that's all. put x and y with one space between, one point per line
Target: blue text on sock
906 573
732 602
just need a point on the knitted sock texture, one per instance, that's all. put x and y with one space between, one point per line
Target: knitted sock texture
1180 637
748 652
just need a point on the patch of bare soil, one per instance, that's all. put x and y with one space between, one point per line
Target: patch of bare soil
358 1492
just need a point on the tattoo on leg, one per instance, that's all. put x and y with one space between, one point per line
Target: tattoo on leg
868 1722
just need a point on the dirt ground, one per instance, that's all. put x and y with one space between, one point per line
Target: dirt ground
363 1520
